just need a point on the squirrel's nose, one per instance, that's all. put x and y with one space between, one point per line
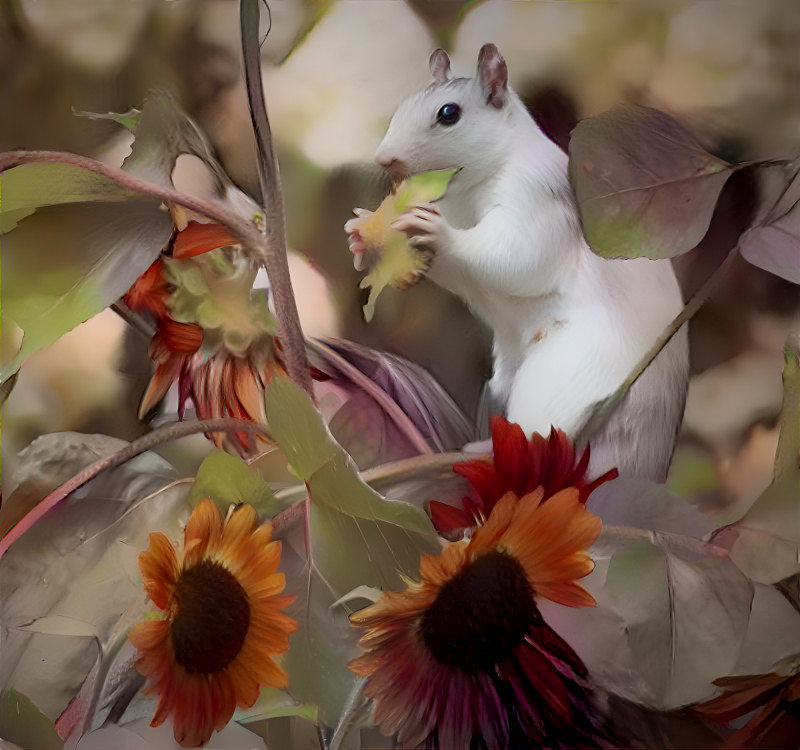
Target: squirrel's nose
398 170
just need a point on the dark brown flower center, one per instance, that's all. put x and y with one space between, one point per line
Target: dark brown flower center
480 614
212 619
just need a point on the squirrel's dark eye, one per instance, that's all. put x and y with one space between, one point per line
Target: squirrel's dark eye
449 114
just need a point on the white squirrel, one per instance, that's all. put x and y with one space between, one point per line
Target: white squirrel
569 326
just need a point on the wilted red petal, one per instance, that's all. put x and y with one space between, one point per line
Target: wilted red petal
149 292
199 238
180 338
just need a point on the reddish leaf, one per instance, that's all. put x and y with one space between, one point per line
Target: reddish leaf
645 186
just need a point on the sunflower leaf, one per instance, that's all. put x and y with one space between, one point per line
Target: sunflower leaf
60 625
271 704
68 568
316 661
383 538
765 542
686 616
390 259
106 233
227 479
27 187
24 724
102 249
684 604
163 131
645 185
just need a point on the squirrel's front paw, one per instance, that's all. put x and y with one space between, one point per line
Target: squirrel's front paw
355 241
425 228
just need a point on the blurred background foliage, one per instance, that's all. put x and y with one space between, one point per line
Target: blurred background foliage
334 71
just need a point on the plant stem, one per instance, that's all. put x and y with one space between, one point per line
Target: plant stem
134 320
164 434
786 454
603 408
269 179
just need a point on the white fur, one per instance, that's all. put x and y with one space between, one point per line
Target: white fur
568 325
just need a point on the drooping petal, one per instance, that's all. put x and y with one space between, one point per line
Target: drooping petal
179 338
198 238
203 531
159 567
446 517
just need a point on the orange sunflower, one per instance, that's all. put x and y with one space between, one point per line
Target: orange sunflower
463 658
222 623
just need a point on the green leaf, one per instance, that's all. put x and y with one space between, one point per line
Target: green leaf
164 132
129 119
25 725
389 258
645 185
67 263
684 605
27 187
354 538
271 704
298 428
227 479
383 539
316 661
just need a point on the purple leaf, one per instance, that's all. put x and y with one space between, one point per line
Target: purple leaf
773 243
403 409
645 185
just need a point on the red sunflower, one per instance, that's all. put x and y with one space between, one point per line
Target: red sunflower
222 621
520 466
463 658
772 699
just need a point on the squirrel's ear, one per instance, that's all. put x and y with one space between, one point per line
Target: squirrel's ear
493 75
440 65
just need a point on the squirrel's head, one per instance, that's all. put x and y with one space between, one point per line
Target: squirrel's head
454 123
